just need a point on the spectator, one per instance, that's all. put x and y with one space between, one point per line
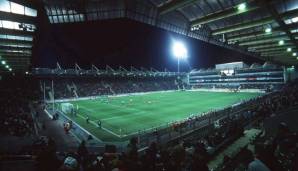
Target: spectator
256 164
82 154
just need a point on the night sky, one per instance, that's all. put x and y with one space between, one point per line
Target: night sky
123 43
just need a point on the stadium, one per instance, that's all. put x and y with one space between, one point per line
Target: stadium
157 85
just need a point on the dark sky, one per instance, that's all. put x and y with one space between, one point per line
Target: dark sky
123 43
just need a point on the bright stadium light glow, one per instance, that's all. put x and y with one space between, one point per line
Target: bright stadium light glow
7 66
289 49
294 54
241 7
3 62
179 50
295 19
281 42
10 69
268 30
26 72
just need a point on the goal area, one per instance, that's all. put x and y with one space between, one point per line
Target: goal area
67 108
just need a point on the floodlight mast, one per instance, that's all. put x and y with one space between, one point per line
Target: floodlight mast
179 52
178 65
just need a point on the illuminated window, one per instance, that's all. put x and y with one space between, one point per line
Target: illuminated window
17 45
82 17
48 10
64 11
7 24
54 11
51 19
17 25
228 72
77 18
60 19
11 37
71 18
65 18
295 19
59 12
17 51
28 38
17 8
55 19
4 6
30 12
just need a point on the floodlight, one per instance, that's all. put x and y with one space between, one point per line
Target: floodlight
241 7
295 19
289 49
7 66
179 50
294 54
26 72
281 42
268 30
3 62
10 69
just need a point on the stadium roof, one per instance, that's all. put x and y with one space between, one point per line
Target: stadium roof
266 29
17 27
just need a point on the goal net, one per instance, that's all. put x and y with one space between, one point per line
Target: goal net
67 108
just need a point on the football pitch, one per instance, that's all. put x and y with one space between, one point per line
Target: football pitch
121 116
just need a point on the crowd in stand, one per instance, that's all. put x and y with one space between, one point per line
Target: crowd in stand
84 87
239 86
122 86
275 153
15 118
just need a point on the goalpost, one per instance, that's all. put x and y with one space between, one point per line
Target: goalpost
68 108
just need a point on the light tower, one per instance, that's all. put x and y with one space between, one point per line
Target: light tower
180 52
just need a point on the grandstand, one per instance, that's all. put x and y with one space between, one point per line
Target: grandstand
154 85
234 76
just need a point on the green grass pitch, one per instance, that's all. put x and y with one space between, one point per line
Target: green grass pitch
126 115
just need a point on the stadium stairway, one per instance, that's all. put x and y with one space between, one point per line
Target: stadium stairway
51 95
75 93
111 90
68 87
18 162
41 86
234 148
288 116
54 129
74 90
